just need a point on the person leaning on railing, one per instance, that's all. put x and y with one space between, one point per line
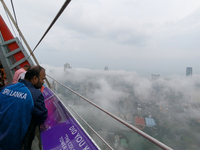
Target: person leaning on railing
22 109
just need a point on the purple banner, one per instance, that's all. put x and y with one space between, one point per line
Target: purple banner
60 131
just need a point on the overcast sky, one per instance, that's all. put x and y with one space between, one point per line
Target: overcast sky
147 37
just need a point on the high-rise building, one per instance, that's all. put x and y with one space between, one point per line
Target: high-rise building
106 68
67 66
155 76
188 71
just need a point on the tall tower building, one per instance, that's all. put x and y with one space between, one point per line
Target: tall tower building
155 76
67 66
189 71
106 68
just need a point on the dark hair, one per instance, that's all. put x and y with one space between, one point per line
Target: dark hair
33 71
1 78
27 66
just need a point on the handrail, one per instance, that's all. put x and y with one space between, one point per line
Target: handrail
153 140
83 120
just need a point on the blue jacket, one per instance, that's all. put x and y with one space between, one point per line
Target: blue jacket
19 103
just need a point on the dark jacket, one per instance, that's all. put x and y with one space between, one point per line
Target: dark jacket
39 111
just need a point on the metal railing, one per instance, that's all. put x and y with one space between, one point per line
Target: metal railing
119 120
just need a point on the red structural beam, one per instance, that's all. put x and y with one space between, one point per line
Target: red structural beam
7 35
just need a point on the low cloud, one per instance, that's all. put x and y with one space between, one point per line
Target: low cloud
108 87
173 101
